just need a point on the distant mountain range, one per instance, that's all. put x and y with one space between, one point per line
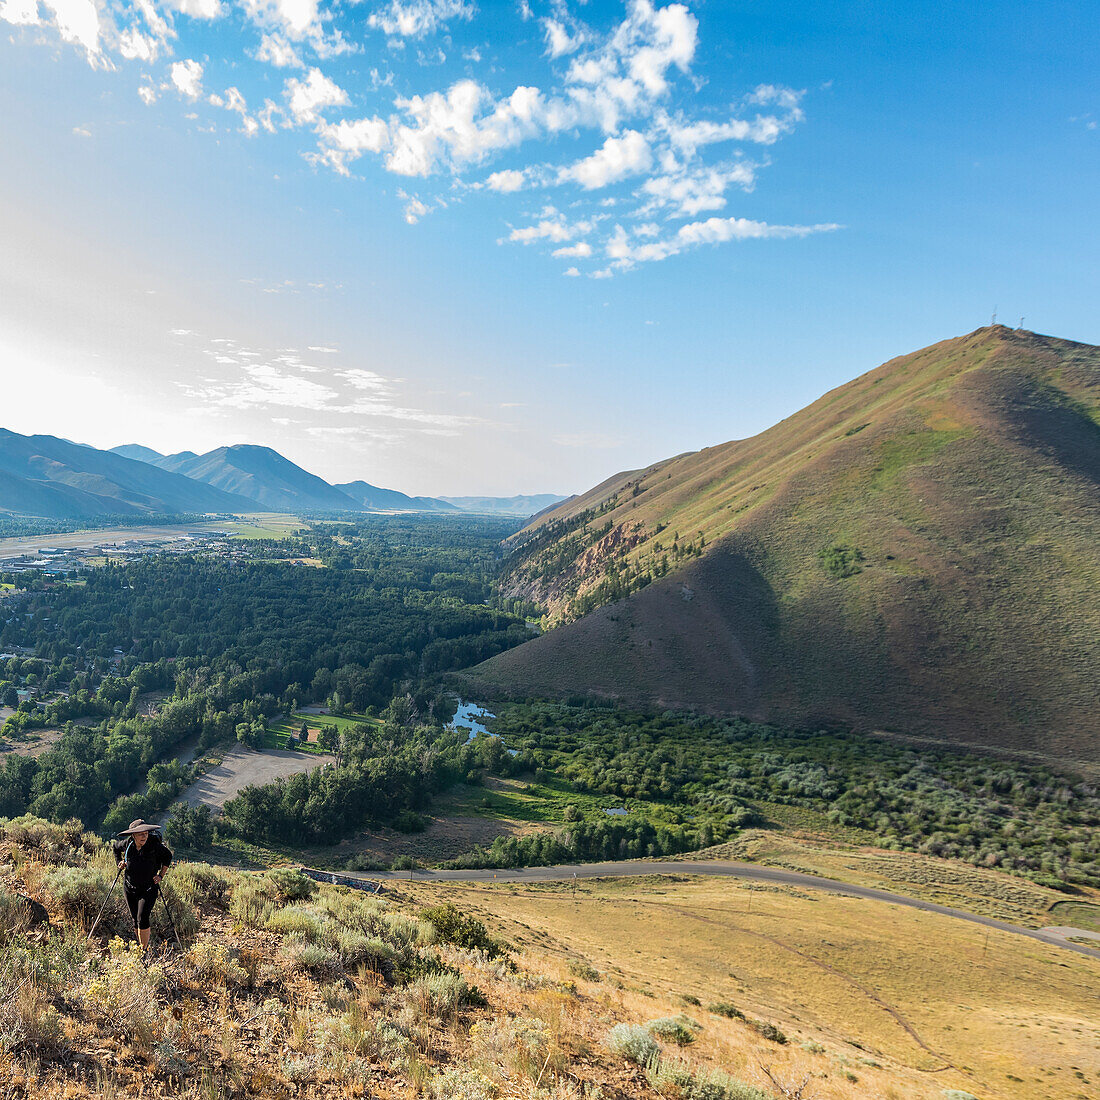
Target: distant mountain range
505 506
54 478
262 475
917 551
390 500
41 475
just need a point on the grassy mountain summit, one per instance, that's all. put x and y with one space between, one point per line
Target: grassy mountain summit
918 550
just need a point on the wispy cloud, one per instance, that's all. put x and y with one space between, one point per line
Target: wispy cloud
237 377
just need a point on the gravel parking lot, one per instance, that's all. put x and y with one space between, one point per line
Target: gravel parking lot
243 766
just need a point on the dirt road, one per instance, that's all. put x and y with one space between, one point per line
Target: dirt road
754 872
242 767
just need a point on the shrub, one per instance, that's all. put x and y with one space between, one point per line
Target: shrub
213 962
724 1008
462 1084
406 863
409 821
441 994
768 1031
677 1029
79 892
313 958
690 999
842 560
292 884
359 950
253 901
200 881
122 992
296 921
633 1043
457 927
957 1094
360 861
29 1022
580 969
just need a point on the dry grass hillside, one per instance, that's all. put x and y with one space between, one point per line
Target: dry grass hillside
642 988
918 551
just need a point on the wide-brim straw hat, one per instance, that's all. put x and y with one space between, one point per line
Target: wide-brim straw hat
139 826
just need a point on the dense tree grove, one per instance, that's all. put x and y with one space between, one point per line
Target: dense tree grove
590 840
231 643
381 773
1023 818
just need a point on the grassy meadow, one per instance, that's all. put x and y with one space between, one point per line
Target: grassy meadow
875 1000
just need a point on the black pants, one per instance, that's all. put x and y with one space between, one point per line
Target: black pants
141 903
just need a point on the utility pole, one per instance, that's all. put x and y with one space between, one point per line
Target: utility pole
994 321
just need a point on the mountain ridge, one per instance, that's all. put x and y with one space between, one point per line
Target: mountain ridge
872 559
54 478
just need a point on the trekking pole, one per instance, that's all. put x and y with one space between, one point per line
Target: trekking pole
171 923
104 905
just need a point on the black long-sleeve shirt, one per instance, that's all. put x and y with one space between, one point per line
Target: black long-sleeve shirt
142 863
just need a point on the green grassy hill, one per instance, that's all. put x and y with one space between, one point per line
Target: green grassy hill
916 551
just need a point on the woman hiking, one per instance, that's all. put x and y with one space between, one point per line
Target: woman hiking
145 859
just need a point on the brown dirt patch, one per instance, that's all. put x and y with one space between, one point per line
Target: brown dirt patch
35 743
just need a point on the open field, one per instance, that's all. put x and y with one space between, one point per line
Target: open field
282 729
904 1003
256 525
263 525
78 540
241 767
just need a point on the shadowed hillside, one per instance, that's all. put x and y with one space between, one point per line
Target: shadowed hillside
917 551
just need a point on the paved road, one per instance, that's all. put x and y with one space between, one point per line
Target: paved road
628 868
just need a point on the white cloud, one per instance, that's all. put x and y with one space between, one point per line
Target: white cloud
297 19
414 208
695 192
579 250
77 21
19 12
506 181
187 78
552 226
559 41
259 385
343 141
615 160
572 272
197 9
361 379
277 51
460 127
80 131
416 18
625 255
148 94
136 46
316 93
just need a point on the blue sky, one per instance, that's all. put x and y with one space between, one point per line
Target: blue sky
457 247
